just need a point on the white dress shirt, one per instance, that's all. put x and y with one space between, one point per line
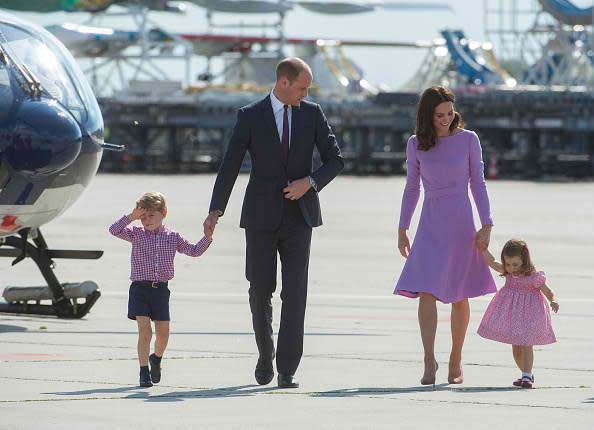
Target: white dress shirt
279 110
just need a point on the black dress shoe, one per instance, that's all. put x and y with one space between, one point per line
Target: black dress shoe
287 381
155 368
264 372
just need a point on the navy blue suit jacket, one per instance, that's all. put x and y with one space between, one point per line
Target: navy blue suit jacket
255 131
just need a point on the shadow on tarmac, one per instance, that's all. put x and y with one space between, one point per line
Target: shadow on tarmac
236 391
6 328
137 392
353 392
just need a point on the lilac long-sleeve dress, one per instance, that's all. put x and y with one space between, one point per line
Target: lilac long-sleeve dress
444 260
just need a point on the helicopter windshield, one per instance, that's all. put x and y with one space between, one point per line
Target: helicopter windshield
6 95
94 120
46 64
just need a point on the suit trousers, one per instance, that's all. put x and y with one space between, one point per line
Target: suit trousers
291 241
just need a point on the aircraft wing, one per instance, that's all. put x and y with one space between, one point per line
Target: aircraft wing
229 6
92 6
338 7
216 44
244 6
402 5
92 42
85 41
45 6
349 7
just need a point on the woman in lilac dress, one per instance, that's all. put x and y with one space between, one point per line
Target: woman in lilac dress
445 261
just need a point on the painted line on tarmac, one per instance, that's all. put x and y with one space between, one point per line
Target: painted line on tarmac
323 296
241 355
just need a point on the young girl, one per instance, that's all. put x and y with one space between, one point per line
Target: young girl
519 314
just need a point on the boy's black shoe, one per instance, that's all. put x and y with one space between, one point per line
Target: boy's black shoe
145 377
155 363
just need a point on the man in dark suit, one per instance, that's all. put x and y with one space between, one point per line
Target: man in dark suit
280 207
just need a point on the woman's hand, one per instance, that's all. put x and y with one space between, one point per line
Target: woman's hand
483 237
403 243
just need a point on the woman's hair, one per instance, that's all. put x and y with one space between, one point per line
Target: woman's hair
517 248
152 201
425 131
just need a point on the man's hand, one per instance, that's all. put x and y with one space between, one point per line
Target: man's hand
297 189
210 223
137 213
483 237
403 242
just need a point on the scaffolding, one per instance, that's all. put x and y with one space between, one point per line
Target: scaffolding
113 71
544 42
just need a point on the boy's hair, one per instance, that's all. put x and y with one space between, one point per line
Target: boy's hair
152 201
517 248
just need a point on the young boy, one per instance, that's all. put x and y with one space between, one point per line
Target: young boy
153 249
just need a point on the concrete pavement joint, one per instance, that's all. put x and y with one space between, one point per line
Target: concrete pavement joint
392 360
74 381
83 360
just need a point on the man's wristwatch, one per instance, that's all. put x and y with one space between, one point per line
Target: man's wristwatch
313 184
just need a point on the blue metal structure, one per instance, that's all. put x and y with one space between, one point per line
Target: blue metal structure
466 62
567 12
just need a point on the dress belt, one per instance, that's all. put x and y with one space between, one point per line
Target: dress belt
448 191
152 284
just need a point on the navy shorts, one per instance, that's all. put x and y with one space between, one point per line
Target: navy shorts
146 301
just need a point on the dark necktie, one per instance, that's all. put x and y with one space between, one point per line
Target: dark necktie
285 138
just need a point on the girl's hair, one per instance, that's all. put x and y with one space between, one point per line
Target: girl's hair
425 131
153 201
517 248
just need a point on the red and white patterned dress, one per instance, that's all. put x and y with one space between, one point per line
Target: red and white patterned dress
519 313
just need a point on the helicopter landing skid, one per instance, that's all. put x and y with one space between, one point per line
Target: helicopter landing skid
27 300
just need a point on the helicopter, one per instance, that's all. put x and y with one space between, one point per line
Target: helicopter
51 143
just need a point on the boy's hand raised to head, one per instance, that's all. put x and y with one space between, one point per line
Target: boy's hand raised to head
137 213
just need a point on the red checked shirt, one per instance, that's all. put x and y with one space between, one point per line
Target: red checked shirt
153 252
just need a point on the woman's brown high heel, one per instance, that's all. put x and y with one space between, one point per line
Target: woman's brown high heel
456 379
430 380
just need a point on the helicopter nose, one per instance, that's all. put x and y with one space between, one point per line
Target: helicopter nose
44 140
